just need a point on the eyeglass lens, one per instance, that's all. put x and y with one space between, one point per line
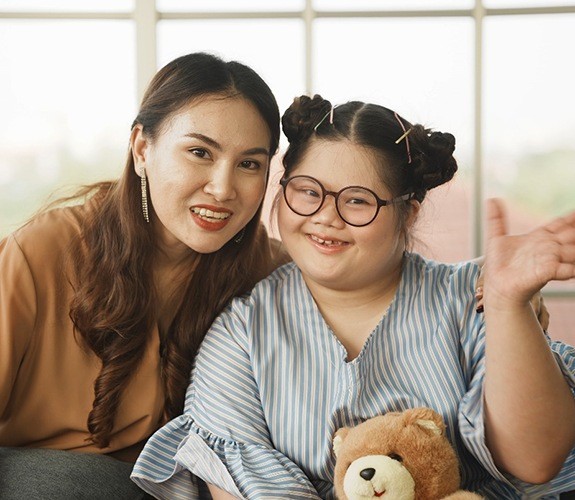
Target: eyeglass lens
355 205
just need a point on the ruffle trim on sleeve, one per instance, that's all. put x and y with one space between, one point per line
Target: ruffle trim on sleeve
244 470
156 470
472 427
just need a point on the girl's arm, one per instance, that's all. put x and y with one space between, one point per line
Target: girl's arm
229 444
219 494
529 407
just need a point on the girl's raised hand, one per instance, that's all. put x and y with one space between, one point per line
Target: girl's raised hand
517 266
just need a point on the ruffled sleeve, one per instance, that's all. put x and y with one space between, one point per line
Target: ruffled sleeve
471 410
222 437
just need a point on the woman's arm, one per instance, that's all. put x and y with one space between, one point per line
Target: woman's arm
529 407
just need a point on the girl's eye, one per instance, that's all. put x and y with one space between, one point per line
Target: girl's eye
357 201
311 193
250 165
199 152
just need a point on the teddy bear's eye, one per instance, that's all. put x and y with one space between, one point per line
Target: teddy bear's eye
395 456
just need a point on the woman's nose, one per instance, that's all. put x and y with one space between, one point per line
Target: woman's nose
221 183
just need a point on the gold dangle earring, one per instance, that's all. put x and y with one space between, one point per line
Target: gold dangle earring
240 236
144 186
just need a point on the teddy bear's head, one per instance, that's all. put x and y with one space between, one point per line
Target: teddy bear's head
399 456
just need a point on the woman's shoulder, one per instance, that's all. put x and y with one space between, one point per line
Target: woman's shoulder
46 238
56 226
51 227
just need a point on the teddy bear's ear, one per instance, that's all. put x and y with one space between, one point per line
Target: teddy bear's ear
427 419
429 425
340 435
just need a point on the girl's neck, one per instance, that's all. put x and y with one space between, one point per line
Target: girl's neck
326 297
352 315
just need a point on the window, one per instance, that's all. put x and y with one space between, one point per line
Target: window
67 103
495 73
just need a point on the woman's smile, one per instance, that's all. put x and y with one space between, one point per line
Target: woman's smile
209 217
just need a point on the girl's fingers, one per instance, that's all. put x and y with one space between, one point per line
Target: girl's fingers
496 218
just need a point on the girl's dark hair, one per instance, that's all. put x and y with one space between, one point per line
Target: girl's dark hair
113 307
378 128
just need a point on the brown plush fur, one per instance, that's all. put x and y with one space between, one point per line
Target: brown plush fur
418 436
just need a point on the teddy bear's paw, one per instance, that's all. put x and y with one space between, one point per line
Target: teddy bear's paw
463 495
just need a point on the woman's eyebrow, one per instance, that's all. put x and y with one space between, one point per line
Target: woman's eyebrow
215 144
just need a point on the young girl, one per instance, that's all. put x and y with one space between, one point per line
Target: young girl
359 326
104 303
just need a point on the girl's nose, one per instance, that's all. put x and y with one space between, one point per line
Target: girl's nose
221 183
327 214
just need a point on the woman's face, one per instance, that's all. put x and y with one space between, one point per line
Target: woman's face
330 252
206 172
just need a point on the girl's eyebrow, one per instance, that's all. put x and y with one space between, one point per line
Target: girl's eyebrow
216 145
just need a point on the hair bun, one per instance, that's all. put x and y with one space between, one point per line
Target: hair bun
439 165
303 115
441 144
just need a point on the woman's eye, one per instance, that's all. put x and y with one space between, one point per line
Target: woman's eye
199 152
250 165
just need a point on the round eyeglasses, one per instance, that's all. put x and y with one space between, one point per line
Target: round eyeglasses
356 205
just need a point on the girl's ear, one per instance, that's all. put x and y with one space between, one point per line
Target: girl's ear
138 145
414 207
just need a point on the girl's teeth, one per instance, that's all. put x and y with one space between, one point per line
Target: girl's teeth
325 242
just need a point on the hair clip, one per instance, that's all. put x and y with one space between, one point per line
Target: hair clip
330 114
404 136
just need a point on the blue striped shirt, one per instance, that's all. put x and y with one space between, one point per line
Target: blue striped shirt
271 385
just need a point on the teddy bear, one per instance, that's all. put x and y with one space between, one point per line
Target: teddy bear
400 456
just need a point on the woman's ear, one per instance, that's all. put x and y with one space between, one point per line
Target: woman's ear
138 146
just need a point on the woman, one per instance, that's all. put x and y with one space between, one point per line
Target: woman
358 326
104 303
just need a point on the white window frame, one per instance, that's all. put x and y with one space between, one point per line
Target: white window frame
146 17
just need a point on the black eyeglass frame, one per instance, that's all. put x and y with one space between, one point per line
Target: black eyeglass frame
380 203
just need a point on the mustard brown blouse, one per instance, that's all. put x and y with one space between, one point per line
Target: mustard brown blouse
46 375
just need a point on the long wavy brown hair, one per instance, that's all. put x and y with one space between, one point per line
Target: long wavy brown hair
113 306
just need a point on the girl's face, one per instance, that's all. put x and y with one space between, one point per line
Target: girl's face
330 252
206 171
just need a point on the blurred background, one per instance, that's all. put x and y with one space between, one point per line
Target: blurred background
498 74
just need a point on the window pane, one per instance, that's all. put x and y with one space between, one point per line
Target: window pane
272 48
529 119
67 103
352 5
67 5
229 5
387 61
525 3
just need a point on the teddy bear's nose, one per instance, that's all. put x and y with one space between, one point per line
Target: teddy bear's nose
367 474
